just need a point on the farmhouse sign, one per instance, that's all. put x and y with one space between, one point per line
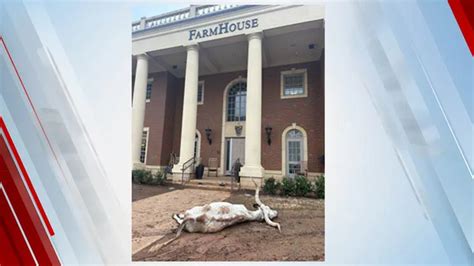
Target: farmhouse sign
222 28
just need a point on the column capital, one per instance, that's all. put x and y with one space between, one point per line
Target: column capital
192 47
142 57
255 35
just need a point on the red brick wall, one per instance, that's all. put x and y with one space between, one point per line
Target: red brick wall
307 113
159 117
170 116
278 113
154 117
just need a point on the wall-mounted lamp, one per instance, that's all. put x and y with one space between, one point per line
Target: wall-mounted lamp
268 130
208 135
238 129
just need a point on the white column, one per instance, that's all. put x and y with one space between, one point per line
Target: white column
138 106
253 123
188 124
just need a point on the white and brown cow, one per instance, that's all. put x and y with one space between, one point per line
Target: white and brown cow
216 216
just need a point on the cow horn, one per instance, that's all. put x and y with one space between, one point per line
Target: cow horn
265 214
257 192
270 222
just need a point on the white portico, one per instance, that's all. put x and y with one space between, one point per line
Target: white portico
205 40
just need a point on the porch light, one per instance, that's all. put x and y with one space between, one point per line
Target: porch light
268 130
238 129
208 135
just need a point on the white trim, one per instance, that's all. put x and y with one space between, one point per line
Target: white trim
202 94
224 120
147 129
292 72
283 146
18 223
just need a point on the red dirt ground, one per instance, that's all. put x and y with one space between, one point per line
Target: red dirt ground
301 219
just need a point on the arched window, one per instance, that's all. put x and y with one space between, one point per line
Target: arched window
294 151
295 134
295 161
237 102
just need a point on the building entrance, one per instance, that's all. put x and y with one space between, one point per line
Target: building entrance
234 149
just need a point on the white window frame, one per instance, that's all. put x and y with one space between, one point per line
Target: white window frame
292 72
149 81
202 98
147 129
284 146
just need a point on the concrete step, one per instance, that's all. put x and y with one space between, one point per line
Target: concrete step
210 183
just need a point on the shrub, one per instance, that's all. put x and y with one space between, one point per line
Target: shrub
319 187
159 178
141 176
298 186
271 186
302 186
288 186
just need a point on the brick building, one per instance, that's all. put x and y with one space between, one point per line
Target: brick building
221 83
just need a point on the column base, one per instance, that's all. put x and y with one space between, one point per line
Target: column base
251 171
139 166
178 176
177 169
247 182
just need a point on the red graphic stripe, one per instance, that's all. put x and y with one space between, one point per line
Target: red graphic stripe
463 11
17 157
27 177
13 244
24 235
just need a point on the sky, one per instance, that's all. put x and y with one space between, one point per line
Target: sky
153 9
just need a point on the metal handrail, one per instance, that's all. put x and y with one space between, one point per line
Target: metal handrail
189 163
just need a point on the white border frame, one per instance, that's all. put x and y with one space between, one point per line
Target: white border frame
292 72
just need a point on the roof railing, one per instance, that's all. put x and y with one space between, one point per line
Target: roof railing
179 15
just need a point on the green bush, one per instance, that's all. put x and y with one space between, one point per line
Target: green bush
288 186
302 186
159 178
141 176
298 186
271 186
319 187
